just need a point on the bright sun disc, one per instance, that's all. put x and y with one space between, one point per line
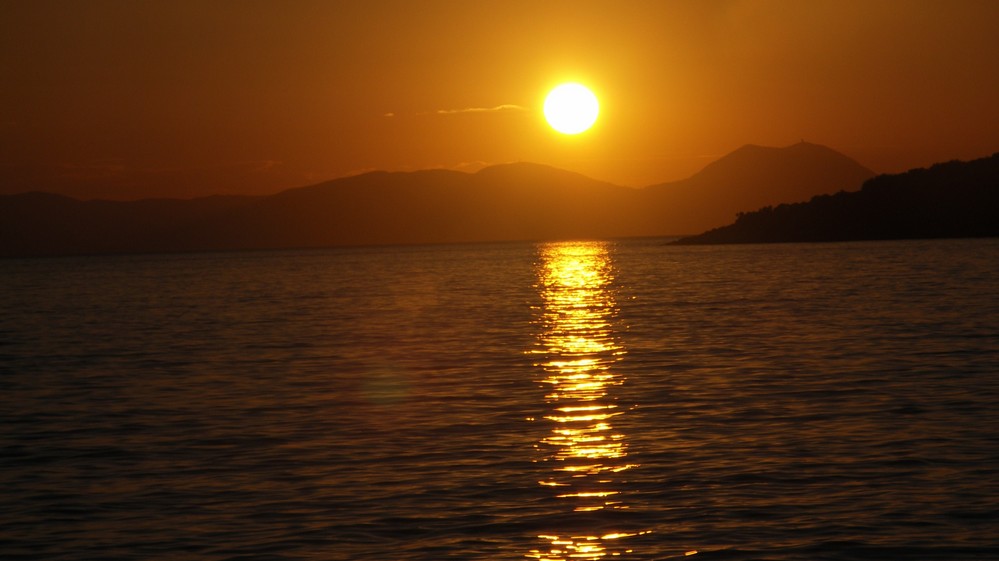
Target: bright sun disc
571 108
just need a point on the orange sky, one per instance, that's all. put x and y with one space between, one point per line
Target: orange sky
124 99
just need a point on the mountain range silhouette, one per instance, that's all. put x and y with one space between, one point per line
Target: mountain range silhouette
520 201
752 177
948 200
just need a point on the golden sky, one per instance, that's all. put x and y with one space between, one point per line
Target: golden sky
129 99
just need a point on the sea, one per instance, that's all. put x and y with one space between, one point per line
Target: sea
571 400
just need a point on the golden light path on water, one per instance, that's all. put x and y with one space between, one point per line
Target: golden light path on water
577 350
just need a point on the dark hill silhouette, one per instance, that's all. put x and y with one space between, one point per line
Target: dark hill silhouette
507 202
948 200
752 177
510 202
47 224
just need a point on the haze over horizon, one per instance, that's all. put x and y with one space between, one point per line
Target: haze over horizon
508 202
440 279
182 99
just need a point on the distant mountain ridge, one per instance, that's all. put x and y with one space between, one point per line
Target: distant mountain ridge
520 201
755 176
952 199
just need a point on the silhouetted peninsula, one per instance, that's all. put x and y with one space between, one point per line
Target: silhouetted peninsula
948 200
752 177
520 201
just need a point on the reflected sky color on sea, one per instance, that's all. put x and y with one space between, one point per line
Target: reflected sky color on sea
577 351
787 402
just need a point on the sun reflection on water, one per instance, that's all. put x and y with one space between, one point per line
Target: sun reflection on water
577 350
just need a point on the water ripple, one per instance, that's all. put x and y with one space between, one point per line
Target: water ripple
761 402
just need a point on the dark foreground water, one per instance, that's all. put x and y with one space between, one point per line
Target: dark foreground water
625 400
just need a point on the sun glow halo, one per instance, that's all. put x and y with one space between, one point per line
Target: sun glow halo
571 108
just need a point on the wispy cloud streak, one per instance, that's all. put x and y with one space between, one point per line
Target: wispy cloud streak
504 107
499 108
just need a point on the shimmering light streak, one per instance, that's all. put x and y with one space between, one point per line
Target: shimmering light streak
578 349
582 547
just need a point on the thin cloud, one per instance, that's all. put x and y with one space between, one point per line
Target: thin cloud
496 109
471 167
504 107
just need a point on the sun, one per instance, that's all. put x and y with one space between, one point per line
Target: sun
571 108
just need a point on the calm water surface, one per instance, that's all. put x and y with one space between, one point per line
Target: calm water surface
585 400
